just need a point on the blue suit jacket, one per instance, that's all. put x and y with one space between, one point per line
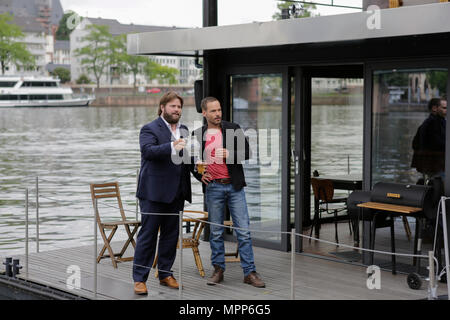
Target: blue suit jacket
160 177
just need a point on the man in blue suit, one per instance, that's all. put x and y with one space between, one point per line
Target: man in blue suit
163 187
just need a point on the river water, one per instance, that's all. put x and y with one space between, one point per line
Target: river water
68 148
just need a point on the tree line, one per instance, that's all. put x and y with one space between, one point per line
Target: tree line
104 52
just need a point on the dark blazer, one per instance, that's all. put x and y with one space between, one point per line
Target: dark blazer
160 177
429 145
240 151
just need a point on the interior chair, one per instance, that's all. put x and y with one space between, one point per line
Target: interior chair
324 195
111 190
192 241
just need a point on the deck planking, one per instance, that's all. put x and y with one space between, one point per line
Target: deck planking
316 279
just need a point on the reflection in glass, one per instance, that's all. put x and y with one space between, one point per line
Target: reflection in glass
336 128
399 107
256 105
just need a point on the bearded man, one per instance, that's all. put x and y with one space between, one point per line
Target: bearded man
163 187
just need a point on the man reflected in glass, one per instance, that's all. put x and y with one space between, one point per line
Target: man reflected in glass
429 141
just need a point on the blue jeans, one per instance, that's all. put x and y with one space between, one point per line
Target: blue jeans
217 195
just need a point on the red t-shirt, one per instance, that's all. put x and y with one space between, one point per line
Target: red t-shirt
217 168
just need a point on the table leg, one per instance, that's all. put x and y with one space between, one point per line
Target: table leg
316 216
372 237
394 265
416 238
419 243
356 229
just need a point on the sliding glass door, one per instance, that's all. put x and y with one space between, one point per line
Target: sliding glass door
257 106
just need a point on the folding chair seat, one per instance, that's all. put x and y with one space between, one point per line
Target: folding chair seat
111 190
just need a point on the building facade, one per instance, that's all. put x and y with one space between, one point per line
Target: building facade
38 43
61 52
38 20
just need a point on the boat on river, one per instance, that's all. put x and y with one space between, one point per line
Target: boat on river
19 91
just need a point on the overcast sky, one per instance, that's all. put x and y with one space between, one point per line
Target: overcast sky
187 13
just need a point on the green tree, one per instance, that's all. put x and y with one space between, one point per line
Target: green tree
307 10
66 25
125 63
11 50
62 73
163 74
83 79
438 80
135 65
96 55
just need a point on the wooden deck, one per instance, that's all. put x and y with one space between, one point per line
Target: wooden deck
316 279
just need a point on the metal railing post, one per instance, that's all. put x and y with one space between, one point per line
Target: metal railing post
293 264
447 260
137 199
180 277
432 283
348 164
26 232
37 214
95 248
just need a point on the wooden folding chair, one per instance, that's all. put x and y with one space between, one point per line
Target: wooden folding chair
231 256
111 190
191 242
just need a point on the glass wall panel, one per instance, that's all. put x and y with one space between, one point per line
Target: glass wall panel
336 129
257 108
292 148
399 106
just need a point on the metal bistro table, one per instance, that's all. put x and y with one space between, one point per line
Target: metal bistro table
349 182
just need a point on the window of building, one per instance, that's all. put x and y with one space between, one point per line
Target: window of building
399 106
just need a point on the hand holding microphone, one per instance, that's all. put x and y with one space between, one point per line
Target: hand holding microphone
179 144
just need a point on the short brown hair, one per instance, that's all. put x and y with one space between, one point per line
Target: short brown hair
435 102
205 102
166 98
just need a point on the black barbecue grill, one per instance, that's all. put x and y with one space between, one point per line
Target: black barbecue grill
384 194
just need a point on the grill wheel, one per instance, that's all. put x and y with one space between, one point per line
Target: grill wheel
414 281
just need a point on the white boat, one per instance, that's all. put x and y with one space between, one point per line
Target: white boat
17 91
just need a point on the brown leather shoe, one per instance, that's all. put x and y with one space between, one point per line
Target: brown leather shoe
216 277
255 280
140 288
169 282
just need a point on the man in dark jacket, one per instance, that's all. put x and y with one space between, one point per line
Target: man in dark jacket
224 147
429 141
163 186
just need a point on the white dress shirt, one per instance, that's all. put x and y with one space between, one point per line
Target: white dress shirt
175 135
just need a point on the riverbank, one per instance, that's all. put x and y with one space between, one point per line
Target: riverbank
121 95
125 95
130 100
153 99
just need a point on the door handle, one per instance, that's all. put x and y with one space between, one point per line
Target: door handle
295 160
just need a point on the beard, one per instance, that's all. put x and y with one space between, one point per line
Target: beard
172 119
